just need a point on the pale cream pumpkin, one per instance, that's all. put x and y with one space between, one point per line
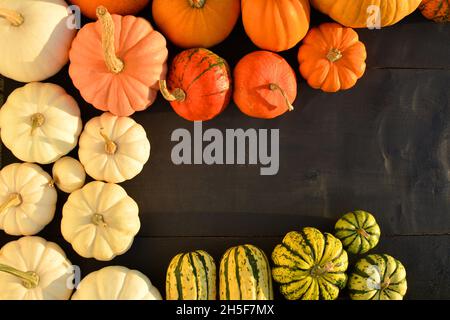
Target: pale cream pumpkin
32 268
35 37
116 283
27 199
113 149
40 123
68 174
100 221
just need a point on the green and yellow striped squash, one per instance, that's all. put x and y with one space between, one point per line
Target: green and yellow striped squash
191 276
245 274
358 231
310 265
378 277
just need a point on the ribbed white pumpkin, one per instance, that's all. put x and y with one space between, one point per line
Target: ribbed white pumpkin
100 220
40 123
32 268
27 199
113 149
35 38
68 174
116 283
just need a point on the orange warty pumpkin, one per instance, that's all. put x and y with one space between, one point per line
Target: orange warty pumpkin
365 13
436 10
265 85
117 63
198 85
332 58
122 7
276 25
196 23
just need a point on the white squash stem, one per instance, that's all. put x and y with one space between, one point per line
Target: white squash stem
274 87
110 146
30 279
99 220
13 200
14 17
37 120
114 64
177 95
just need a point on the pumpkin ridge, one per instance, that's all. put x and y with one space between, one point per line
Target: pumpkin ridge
202 260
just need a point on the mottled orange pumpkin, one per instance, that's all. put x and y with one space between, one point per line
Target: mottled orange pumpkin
117 63
122 7
276 25
196 23
436 10
198 85
332 58
265 85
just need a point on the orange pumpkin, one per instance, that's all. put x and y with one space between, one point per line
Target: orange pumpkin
265 85
196 23
122 7
332 58
436 10
198 85
276 25
117 63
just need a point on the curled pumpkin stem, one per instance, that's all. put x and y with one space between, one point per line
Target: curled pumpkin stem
30 279
114 64
177 95
13 17
274 87
110 146
14 200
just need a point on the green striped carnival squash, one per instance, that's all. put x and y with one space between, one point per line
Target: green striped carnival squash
310 265
378 277
358 231
245 274
191 276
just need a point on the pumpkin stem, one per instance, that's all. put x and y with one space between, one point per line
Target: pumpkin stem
177 95
198 4
319 271
37 120
385 284
30 279
110 146
274 87
99 220
363 233
334 55
14 200
114 64
14 17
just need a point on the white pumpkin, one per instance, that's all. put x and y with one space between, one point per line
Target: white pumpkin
116 283
40 123
32 268
68 174
27 199
100 221
113 149
35 38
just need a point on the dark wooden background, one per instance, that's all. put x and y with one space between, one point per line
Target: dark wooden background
383 146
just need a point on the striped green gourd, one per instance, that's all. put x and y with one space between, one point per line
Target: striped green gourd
245 274
191 276
358 231
378 277
310 265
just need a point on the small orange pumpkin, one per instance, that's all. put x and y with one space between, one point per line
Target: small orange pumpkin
265 85
122 7
332 58
276 25
436 10
198 85
116 63
196 23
